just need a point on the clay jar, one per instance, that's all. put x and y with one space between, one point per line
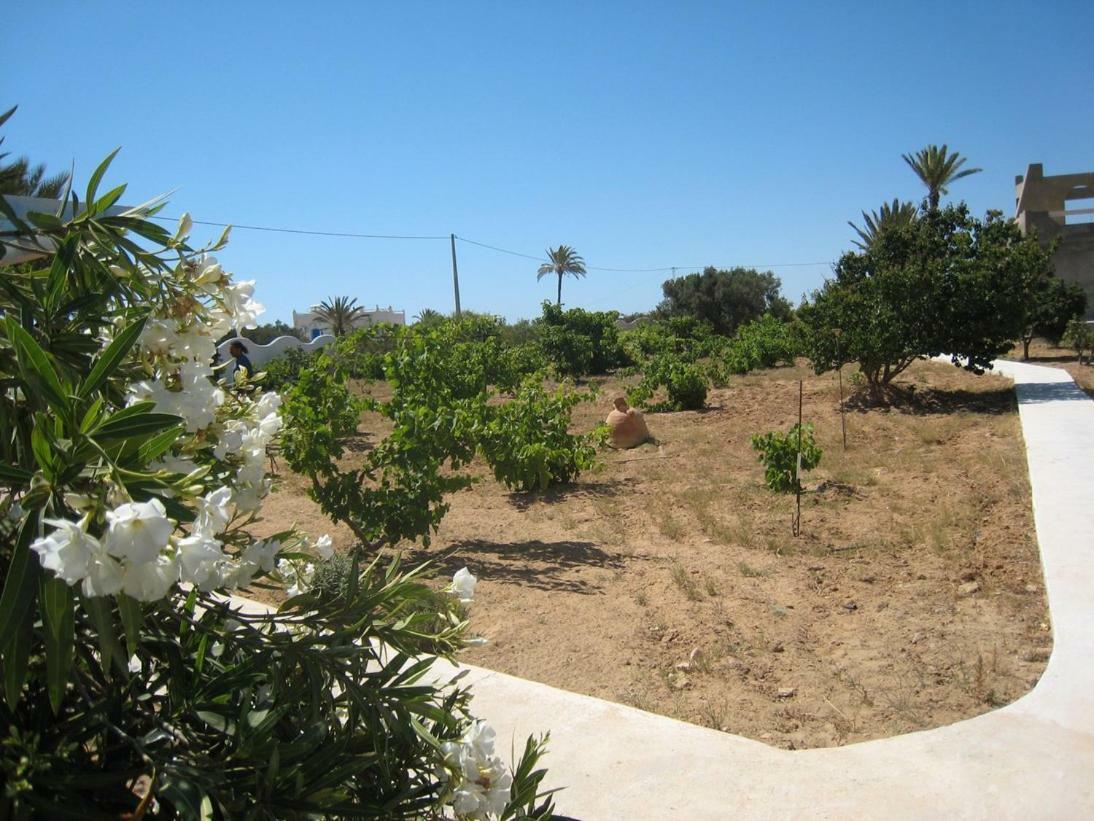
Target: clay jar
627 425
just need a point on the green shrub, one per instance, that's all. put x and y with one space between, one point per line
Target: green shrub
1079 336
779 456
527 442
580 342
685 382
282 371
762 343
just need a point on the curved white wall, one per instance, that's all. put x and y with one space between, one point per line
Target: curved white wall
261 354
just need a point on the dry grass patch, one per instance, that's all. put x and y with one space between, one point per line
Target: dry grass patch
913 597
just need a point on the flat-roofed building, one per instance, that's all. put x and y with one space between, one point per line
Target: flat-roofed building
1061 207
314 326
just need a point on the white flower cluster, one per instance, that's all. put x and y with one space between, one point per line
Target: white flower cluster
479 780
142 555
141 551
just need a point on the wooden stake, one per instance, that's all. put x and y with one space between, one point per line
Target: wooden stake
796 525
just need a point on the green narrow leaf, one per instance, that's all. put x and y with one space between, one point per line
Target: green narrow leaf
106 200
132 618
158 445
36 366
14 475
17 610
57 619
91 416
144 424
43 451
97 177
101 614
110 359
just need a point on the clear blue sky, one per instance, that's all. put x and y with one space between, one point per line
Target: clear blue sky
643 134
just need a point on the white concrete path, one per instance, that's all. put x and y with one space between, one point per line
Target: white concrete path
1033 759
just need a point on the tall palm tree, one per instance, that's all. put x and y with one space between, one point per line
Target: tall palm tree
564 260
937 168
20 179
339 312
895 213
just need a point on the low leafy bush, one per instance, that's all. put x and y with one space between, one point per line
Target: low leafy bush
762 343
580 342
686 384
779 456
1079 336
282 371
527 442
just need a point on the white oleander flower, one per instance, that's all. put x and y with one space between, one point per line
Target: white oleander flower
186 223
262 554
67 551
213 512
104 575
463 584
481 784
200 559
150 581
159 336
324 547
138 531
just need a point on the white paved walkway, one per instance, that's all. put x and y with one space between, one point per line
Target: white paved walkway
1033 759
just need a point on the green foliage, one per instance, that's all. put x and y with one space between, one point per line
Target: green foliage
1079 336
685 337
945 283
579 342
936 168
779 456
339 313
762 343
282 371
724 299
1050 308
685 382
527 442
322 710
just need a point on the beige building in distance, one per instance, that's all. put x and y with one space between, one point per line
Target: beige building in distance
1042 206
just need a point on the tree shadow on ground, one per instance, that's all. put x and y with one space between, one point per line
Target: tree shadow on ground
1041 392
358 443
509 562
931 401
522 500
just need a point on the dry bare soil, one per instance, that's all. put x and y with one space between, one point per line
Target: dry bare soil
668 578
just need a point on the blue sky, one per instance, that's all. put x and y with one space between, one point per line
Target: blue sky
643 134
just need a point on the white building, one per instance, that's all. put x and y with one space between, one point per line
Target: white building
312 326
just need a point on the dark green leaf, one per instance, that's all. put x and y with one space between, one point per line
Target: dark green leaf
111 358
96 178
57 619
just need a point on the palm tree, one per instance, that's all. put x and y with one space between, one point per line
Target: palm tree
937 168
339 312
20 179
895 213
564 260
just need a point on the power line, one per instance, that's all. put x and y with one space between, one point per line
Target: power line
301 231
353 235
662 269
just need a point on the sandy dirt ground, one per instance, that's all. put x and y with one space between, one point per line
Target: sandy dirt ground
668 578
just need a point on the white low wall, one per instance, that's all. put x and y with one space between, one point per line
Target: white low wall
261 354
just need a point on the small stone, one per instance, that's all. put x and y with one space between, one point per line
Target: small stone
777 647
683 666
968 588
786 692
696 655
882 605
1032 588
669 636
917 638
850 607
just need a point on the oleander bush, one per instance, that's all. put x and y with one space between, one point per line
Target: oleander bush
131 474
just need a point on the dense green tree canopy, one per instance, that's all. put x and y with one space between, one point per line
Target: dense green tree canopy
946 283
725 299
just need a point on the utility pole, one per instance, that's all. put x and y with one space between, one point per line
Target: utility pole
455 274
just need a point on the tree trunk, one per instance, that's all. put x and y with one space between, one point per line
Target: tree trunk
932 198
559 302
1025 347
